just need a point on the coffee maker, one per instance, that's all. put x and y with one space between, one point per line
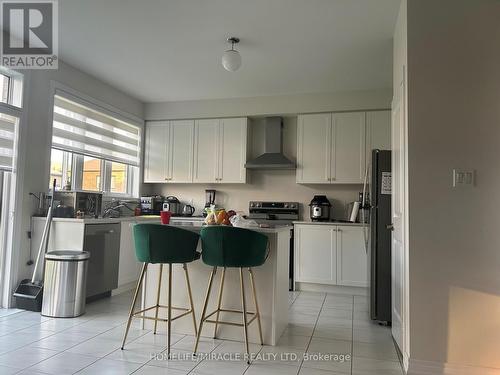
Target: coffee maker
209 200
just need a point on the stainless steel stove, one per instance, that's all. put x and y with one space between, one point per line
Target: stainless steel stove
276 214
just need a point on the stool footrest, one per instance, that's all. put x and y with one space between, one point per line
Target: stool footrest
253 314
137 314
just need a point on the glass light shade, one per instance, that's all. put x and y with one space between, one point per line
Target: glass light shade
231 60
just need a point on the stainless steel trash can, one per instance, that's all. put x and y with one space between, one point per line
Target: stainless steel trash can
65 283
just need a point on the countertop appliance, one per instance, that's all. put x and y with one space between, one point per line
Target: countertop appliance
320 208
173 205
209 199
151 204
379 249
188 210
84 201
277 213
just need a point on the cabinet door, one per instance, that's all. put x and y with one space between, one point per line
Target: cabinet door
351 257
314 148
315 254
181 151
129 268
206 150
378 132
233 150
348 139
156 155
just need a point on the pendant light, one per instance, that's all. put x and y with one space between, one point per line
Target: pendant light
231 59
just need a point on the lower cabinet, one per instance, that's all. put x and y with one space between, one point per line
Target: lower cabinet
330 254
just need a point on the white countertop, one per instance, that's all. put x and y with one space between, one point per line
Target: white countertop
331 223
107 220
195 223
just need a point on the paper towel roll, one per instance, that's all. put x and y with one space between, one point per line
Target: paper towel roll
354 212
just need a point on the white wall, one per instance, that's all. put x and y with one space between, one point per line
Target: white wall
37 135
267 185
271 105
454 122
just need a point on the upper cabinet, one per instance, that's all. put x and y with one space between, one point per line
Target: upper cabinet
168 153
155 153
334 148
314 148
220 150
348 148
201 151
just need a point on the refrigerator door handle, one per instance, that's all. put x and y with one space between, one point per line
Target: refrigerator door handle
390 227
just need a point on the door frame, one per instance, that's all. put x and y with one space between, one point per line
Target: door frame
402 98
12 252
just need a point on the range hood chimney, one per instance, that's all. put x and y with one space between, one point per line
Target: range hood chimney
273 157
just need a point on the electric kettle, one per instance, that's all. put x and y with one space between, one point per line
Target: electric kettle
187 210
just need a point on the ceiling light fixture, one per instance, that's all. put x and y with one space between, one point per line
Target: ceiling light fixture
231 59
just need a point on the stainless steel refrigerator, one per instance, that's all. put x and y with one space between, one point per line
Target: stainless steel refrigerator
379 251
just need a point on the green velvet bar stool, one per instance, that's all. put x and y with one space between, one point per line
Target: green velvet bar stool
163 244
230 247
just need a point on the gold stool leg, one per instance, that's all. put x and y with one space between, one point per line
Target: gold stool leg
136 294
158 298
219 300
190 298
243 304
204 311
169 316
257 312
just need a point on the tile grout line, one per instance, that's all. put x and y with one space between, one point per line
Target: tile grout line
312 334
352 333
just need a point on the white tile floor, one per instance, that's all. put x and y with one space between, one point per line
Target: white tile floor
320 324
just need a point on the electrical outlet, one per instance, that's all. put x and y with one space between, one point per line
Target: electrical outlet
463 178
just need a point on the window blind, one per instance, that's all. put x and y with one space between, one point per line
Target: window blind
84 130
8 126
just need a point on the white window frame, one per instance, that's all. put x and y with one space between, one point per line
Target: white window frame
133 183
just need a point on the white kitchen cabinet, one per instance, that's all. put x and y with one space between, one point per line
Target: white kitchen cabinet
129 267
330 254
348 148
351 257
155 153
316 253
331 148
233 150
314 148
378 132
181 151
168 153
220 150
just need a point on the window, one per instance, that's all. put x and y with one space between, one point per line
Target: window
92 150
60 169
91 173
4 88
118 178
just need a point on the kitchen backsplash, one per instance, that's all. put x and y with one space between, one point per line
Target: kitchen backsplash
261 185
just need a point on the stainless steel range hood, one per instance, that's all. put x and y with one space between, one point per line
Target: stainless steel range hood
273 157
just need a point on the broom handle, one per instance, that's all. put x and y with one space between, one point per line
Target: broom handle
44 241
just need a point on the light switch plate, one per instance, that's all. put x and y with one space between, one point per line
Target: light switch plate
463 178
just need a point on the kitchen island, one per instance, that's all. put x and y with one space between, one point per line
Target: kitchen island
271 283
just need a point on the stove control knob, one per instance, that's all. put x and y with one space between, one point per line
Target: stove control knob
252 204
258 204
286 205
292 206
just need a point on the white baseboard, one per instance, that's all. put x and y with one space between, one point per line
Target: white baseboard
336 289
417 367
124 288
